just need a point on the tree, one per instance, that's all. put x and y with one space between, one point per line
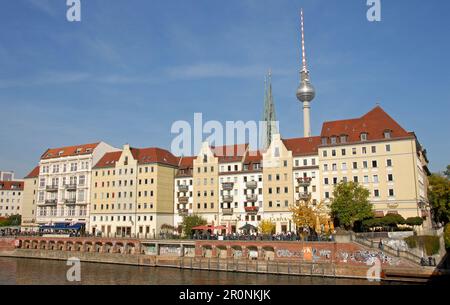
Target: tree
447 172
439 197
190 222
414 221
266 227
307 215
350 204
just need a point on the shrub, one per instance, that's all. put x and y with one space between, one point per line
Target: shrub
414 221
447 236
411 241
429 243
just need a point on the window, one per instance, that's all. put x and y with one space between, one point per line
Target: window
335 181
343 139
374 149
305 162
355 179
334 167
390 177
325 153
387 134
388 147
366 179
376 193
344 179
270 204
365 164
388 162
375 178
343 152
285 163
354 151
325 181
364 136
364 150
333 140
324 141
344 166
327 195
374 164
333 153
325 167
391 192
355 165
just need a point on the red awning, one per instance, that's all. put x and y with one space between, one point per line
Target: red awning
203 228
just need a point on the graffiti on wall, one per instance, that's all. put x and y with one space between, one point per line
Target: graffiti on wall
170 250
366 257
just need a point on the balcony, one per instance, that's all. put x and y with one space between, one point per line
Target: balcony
252 197
303 196
304 181
227 199
251 185
183 200
51 188
70 201
226 212
51 201
183 212
70 187
251 210
228 186
183 188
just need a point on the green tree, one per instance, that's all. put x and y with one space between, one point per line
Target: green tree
350 204
190 222
439 197
414 221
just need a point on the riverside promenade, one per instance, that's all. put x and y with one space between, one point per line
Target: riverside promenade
342 258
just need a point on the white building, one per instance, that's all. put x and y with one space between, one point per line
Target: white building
65 183
11 198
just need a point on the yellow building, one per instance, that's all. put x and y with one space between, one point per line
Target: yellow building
133 192
29 201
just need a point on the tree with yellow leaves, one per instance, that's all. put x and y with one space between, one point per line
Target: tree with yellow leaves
266 227
310 216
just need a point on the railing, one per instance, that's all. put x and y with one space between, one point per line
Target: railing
252 198
252 210
51 188
304 181
183 212
70 186
303 196
227 198
183 188
228 211
183 199
228 185
70 201
50 201
251 184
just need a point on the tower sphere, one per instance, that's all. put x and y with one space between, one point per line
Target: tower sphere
305 91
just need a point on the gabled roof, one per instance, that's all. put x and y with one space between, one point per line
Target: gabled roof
154 155
302 146
109 159
374 123
11 185
230 153
34 173
68 151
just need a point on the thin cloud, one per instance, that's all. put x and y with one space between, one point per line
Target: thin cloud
44 6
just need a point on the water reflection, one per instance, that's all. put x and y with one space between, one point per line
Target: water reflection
43 272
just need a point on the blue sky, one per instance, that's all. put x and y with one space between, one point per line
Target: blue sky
130 69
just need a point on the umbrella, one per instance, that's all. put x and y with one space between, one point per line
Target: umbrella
203 228
248 227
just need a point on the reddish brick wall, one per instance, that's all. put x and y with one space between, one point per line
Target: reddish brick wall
7 244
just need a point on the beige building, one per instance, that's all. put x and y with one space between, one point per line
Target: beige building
29 201
11 198
378 153
133 192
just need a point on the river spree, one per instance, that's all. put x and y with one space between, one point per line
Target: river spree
48 272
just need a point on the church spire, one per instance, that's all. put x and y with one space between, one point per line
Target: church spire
269 117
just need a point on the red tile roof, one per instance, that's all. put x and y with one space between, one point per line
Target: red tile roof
186 162
34 173
303 146
230 153
69 151
253 157
374 123
109 159
11 185
154 155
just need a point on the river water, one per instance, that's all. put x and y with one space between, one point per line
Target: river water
49 272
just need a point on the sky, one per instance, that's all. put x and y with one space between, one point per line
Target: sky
130 69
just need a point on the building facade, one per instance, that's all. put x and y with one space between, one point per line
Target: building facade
11 198
64 186
133 192
29 201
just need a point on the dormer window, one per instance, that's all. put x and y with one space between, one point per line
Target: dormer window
344 139
387 134
333 140
364 136
78 150
61 152
88 149
126 161
205 158
324 141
